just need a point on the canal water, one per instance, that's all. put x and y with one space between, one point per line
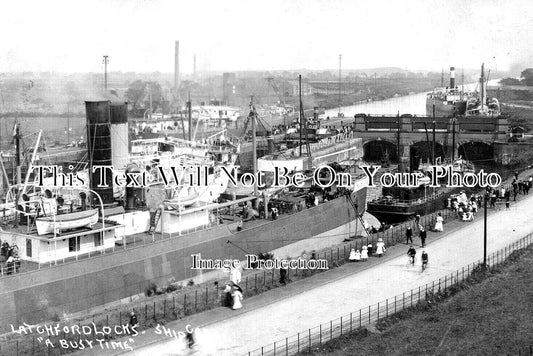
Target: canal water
414 104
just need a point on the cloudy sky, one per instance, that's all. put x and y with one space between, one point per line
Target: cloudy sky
139 35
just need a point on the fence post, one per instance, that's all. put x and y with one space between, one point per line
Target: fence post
341 325
309 338
299 342
351 322
331 329
369 314
320 332
286 346
395 304
378 312
403 301
411 297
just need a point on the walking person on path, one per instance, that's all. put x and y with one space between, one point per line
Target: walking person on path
364 254
423 235
380 247
352 255
237 297
409 235
133 319
228 298
357 256
424 260
411 253
438 224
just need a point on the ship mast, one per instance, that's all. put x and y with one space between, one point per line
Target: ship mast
340 85
303 121
18 169
482 88
462 83
252 116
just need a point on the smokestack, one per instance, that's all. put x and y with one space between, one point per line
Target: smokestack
177 67
194 67
119 134
452 77
99 148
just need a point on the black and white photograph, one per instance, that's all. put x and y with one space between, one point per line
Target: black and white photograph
253 178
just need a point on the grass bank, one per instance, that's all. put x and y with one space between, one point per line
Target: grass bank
490 314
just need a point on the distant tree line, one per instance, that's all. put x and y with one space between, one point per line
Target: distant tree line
526 78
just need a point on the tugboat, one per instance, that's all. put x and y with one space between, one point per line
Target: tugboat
398 204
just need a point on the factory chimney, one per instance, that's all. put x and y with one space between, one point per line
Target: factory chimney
452 77
177 68
194 68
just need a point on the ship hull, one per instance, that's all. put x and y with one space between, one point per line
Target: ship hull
395 212
445 109
106 279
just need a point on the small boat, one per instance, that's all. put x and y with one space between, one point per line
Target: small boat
47 224
178 204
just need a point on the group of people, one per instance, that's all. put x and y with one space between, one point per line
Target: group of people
10 256
412 257
422 233
465 208
367 250
233 296
521 186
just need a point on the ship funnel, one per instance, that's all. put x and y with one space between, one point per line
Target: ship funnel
452 77
99 148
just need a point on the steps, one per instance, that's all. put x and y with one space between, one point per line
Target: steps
154 219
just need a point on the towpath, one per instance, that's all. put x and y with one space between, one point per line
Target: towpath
283 312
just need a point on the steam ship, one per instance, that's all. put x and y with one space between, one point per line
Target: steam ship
80 263
448 101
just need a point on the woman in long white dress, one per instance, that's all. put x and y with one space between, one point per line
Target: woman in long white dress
380 247
352 255
438 224
237 298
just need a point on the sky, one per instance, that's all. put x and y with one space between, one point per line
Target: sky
139 35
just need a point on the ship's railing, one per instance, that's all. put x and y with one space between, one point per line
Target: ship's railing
317 336
326 145
427 198
134 241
